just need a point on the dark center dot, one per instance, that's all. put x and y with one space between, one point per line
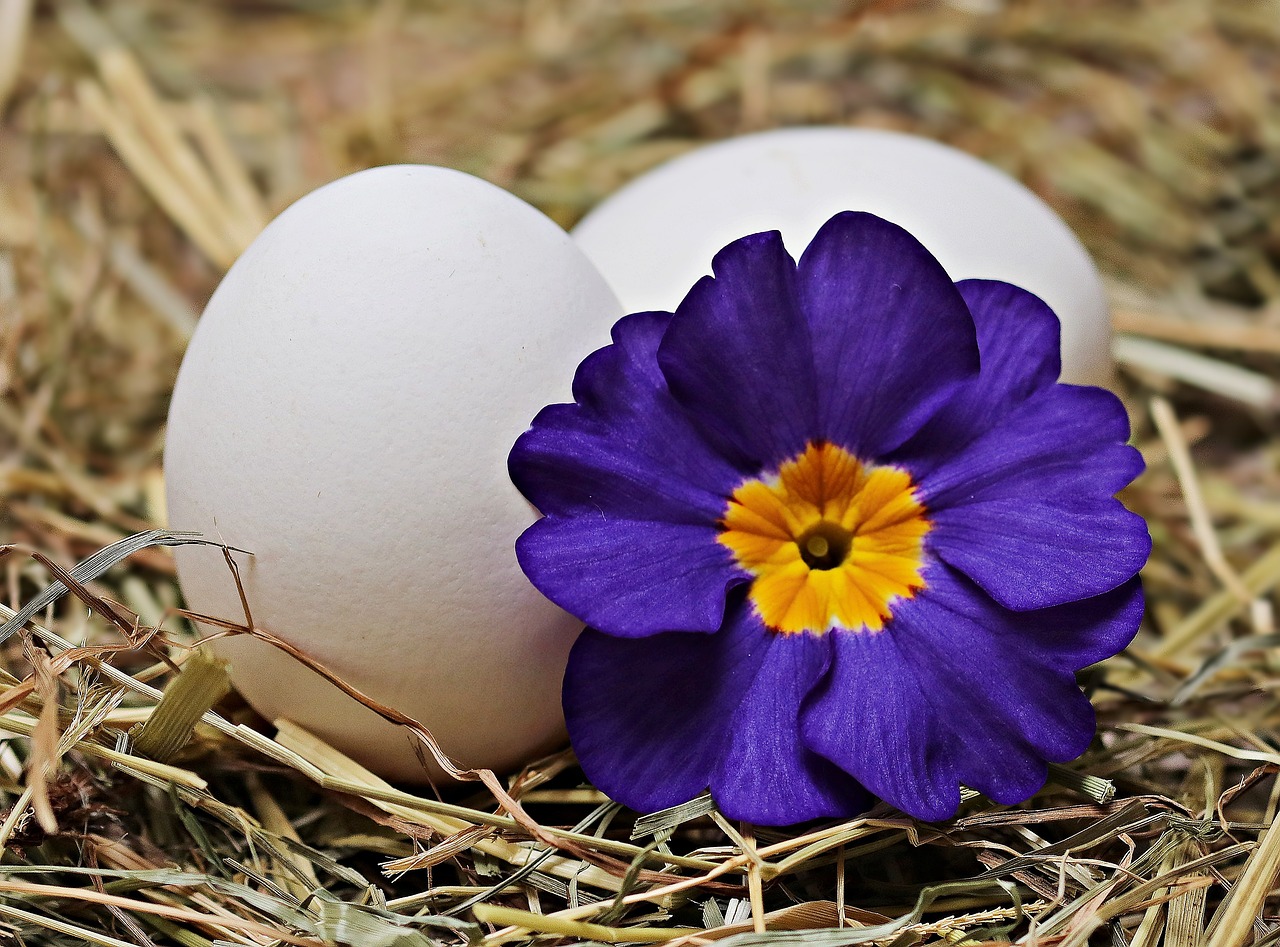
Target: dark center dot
825 546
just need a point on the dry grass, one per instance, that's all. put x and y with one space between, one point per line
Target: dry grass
142 145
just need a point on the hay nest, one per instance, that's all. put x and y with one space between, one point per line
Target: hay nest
143 143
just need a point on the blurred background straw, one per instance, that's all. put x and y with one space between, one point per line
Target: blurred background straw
143 144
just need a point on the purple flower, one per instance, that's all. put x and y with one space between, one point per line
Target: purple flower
836 530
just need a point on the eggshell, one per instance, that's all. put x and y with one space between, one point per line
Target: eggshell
344 412
656 237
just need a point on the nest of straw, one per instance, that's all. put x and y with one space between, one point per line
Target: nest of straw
143 143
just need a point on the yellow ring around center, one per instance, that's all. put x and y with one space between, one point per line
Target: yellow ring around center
780 529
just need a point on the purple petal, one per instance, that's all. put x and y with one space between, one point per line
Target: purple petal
1030 552
958 690
625 449
630 577
892 336
766 775
737 355
872 718
1073 636
1066 638
1066 439
1027 509
1018 338
1005 690
649 717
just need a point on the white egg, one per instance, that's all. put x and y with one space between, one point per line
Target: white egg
656 237
344 412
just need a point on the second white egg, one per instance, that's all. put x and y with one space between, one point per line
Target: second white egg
655 237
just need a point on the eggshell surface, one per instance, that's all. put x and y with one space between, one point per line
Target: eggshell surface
656 237
344 412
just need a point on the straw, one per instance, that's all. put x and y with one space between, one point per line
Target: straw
145 144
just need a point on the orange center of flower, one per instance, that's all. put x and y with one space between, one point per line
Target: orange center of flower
832 542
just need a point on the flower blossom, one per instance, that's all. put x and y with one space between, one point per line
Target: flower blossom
837 533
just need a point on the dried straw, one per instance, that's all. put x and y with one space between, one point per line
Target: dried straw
143 144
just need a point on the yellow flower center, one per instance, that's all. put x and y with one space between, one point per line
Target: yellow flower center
832 542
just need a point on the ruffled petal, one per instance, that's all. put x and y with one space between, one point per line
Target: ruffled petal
1027 510
630 578
872 718
1065 638
1006 694
1032 552
766 775
1018 338
649 718
1073 636
625 449
737 355
957 690
892 337
1065 439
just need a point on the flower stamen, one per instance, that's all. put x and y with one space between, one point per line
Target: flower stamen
825 546
831 542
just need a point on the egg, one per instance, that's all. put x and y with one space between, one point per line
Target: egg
344 413
656 237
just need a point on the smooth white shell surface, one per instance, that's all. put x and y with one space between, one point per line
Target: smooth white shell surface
656 237
344 412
